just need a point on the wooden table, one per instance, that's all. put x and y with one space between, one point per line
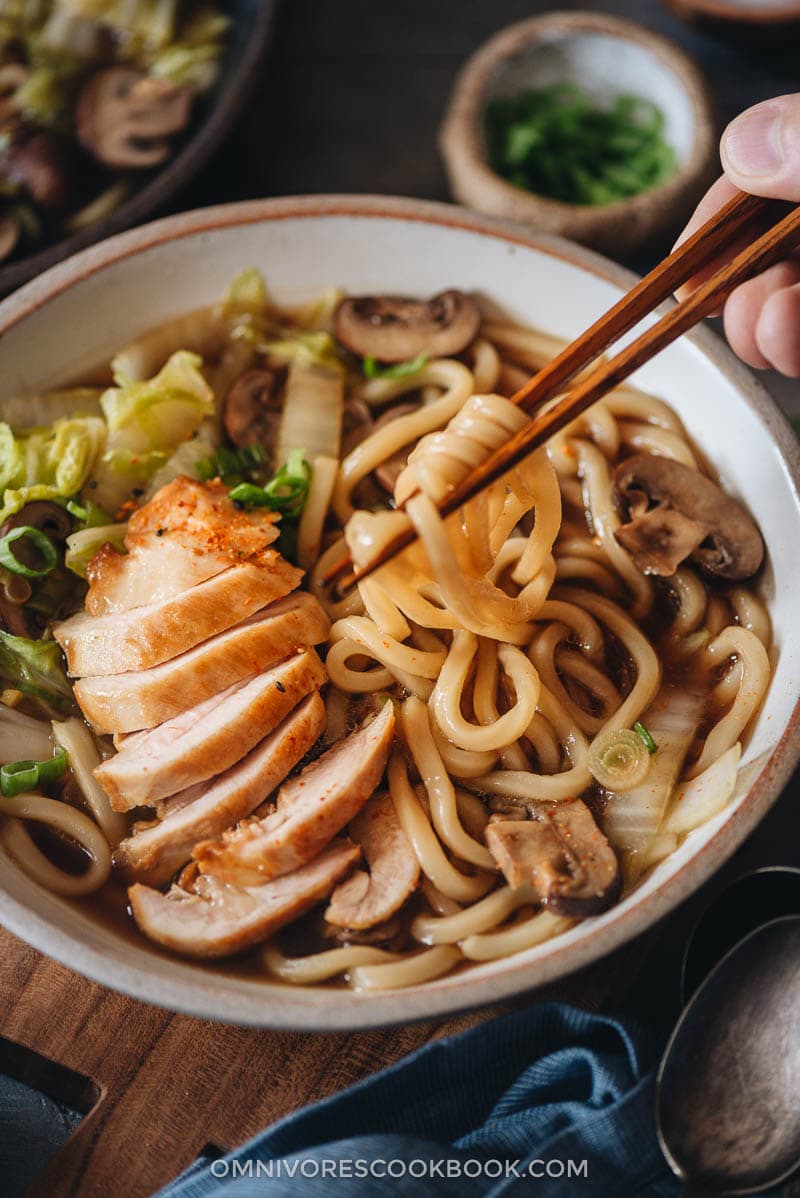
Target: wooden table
156 1088
349 101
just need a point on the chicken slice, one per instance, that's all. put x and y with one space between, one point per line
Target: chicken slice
209 738
144 698
367 899
215 919
146 636
311 808
188 532
154 854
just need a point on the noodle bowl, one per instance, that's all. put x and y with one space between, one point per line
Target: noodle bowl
511 640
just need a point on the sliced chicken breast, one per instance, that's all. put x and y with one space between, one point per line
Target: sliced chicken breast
369 899
144 698
209 738
215 920
188 532
311 808
154 854
156 632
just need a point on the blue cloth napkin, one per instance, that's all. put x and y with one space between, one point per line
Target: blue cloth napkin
548 1100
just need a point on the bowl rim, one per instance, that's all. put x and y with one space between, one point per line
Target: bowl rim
205 138
209 996
462 140
775 14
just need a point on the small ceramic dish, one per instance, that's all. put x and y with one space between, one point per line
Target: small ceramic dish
251 24
67 321
606 57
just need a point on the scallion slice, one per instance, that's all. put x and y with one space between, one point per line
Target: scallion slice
41 543
19 776
399 370
646 738
286 492
233 465
89 514
618 760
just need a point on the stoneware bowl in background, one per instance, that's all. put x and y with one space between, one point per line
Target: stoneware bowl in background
764 20
606 57
78 314
251 24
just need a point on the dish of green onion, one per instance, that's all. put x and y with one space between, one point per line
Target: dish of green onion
561 143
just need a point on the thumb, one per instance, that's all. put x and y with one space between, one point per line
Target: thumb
760 149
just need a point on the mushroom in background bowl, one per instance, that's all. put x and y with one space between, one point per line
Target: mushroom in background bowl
107 110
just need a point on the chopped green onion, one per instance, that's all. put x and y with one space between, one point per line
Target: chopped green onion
399 370
39 540
19 776
89 514
561 143
233 465
645 736
249 495
286 491
618 760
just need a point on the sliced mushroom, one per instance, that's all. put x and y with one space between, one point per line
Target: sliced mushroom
50 518
675 512
125 118
15 590
367 899
15 617
394 329
9 234
12 77
45 166
252 409
559 849
356 424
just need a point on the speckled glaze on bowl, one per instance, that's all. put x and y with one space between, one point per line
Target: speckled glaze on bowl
80 312
606 56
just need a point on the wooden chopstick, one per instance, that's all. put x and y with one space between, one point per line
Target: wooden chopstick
661 282
656 286
765 251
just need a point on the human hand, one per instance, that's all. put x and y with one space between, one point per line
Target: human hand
760 152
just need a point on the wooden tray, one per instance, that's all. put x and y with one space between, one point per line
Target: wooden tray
156 1088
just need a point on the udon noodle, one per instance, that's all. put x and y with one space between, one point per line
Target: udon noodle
516 639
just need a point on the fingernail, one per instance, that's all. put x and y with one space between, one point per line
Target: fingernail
753 141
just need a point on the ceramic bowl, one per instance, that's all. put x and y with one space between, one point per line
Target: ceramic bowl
79 313
605 56
771 20
251 24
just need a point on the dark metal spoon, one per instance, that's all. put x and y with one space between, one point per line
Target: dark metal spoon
749 901
728 1089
